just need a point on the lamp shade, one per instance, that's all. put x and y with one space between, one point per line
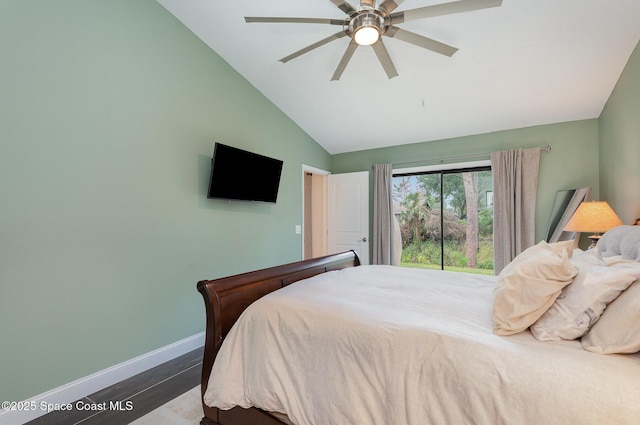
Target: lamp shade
594 217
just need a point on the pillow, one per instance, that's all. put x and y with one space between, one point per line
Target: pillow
590 257
560 247
580 304
619 261
618 330
621 240
529 285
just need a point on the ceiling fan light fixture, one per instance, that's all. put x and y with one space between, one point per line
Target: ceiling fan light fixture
366 35
366 28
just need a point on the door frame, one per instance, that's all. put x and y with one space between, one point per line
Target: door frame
318 171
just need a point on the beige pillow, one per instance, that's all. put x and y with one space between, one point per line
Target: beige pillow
618 330
559 247
529 285
580 304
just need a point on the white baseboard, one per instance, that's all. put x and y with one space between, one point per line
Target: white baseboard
95 382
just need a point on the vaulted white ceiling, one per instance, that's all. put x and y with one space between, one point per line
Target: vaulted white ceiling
522 64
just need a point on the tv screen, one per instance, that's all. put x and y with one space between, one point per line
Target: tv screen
242 175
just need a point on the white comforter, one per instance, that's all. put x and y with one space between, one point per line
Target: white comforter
394 346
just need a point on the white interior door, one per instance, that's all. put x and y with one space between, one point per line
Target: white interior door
348 214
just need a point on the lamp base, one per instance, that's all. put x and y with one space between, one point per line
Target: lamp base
594 240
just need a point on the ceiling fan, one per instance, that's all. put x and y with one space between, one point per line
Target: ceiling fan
370 21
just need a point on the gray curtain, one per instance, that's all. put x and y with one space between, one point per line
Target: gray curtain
515 183
387 246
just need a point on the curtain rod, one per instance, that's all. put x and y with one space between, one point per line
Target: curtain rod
474 156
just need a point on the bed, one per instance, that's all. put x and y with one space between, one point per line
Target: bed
351 344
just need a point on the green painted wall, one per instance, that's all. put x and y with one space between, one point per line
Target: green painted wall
572 162
620 143
108 115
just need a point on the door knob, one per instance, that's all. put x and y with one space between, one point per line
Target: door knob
363 240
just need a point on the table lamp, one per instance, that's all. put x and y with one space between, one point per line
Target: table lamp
594 217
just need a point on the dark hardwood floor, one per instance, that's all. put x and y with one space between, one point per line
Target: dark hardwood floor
132 398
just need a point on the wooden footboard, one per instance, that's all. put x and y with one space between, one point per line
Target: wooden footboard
226 298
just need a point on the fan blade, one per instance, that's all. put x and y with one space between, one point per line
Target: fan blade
443 9
367 3
385 59
344 6
252 19
351 48
421 41
388 6
313 46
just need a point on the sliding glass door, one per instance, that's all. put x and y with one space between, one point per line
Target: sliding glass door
446 219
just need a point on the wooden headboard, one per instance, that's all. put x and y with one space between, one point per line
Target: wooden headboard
226 298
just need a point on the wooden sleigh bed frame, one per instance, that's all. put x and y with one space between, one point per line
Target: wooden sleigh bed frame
226 298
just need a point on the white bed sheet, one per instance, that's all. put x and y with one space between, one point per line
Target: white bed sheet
394 346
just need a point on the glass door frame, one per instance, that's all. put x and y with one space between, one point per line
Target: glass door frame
442 172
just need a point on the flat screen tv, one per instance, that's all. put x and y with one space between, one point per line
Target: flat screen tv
242 175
